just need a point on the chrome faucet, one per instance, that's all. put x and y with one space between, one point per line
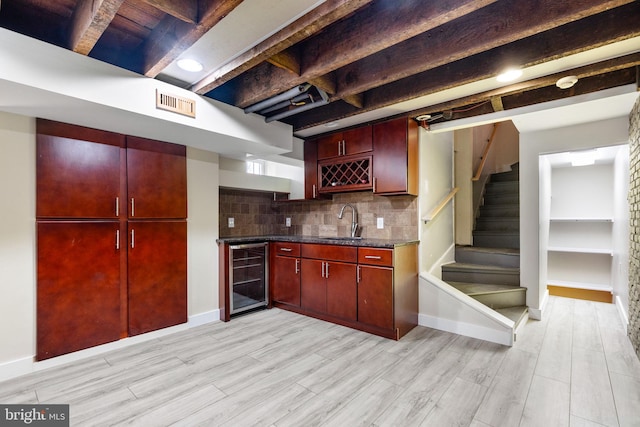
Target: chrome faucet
354 218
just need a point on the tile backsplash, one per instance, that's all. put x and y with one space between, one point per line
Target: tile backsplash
256 213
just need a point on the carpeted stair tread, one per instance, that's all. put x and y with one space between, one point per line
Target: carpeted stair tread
462 266
517 313
474 289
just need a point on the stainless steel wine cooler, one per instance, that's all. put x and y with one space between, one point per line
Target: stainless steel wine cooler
248 277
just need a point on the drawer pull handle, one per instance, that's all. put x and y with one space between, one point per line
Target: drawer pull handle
372 257
286 249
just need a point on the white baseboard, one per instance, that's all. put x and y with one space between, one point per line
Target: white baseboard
474 331
624 317
537 313
26 365
204 318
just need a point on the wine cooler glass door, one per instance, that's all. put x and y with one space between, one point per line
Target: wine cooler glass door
249 277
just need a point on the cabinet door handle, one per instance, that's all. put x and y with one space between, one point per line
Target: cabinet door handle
286 249
372 257
375 181
297 266
314 191
133 207
133 239
322 270
344 147
327 275
358 274
117 240
117 206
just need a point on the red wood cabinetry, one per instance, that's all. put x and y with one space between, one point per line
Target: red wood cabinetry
89 286
346 143
382 157
367 288
285 273
157 276
156 179
78 298
77 175
395 159
328 281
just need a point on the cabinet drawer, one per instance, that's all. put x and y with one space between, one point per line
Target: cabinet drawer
375 256
286 248
330 252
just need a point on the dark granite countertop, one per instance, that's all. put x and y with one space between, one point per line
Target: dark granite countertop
376 243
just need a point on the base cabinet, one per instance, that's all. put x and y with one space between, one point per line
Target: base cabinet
375 296
157 275
371 289
72 300
285 273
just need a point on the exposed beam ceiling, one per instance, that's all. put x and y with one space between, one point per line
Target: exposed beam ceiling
367 55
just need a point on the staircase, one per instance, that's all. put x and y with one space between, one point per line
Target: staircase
489 271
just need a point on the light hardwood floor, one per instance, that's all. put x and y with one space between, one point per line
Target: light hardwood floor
275 368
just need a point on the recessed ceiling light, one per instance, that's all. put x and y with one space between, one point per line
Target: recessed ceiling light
190 65
509 75
423 117
567 82
331 124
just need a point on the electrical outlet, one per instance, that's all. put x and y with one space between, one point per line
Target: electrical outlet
287 222
231 223
380 223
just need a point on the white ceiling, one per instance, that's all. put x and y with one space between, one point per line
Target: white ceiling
251 22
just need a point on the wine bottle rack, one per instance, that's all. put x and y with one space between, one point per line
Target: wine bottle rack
353 174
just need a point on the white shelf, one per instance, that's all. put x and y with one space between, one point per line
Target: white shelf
581 219
581 250
581 285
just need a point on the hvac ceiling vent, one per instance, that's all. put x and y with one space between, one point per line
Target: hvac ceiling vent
301 98
175 104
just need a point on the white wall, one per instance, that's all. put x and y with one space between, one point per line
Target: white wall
464 170
532 144
436 181
202 232
620 237
18 242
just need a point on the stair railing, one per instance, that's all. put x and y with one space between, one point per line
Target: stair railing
485 154
438 208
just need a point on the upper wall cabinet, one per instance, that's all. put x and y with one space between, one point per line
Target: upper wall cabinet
354 141
382 157
395 157
156 179
78 171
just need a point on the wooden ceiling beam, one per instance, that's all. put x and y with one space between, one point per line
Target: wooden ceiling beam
89 21
184 10
171 36
379 26
286 60
502 23
603 29
322 16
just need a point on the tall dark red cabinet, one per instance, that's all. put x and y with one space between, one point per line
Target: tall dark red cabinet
111 237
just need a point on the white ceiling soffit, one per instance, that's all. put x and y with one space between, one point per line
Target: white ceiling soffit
250 23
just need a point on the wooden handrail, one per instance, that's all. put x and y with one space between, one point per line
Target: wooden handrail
483 159
436 210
